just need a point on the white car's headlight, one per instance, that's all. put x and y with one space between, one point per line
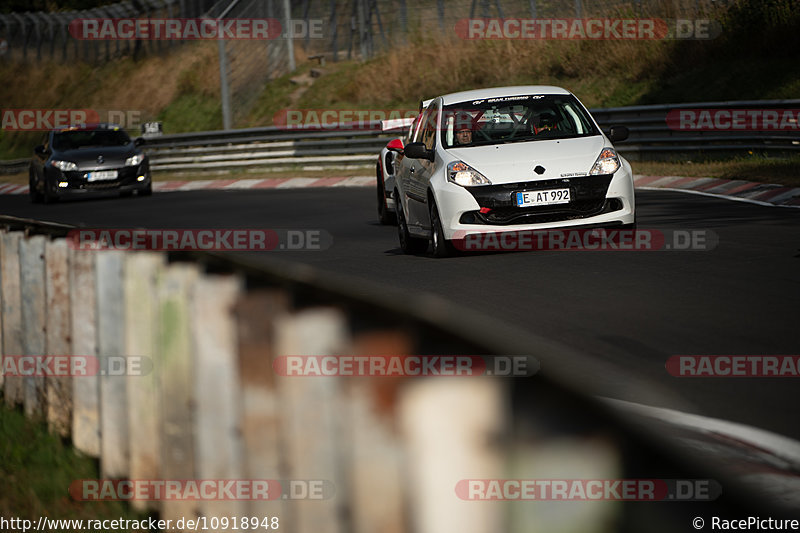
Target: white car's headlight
64 165
607 162
462 174
134 160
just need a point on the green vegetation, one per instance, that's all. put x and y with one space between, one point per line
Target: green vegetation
37 469
783 171
754 57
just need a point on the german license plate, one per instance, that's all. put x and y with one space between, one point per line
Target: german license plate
548 197
100 175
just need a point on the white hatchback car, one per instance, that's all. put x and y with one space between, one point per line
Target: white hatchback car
384 168
508 159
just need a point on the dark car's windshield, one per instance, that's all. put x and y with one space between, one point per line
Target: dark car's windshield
514 118
71 140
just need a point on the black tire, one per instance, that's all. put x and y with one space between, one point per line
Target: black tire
440 247
49 196
409 244
147 191
385 216
33 193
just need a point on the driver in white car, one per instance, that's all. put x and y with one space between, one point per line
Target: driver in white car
463 127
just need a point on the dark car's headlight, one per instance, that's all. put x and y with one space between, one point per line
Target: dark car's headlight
134 160
64 166
607 162
462 174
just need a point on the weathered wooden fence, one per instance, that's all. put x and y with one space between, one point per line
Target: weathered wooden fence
208 403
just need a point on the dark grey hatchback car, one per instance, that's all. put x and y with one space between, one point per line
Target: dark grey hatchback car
91 158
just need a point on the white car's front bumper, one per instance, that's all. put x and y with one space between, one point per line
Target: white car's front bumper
454 202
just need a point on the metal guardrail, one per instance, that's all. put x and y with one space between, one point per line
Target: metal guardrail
14 166
652 138
269 147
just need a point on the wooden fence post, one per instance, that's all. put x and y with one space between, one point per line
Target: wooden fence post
176 381
311 407
83 316
141 277
58 341
32 292
12 312
261 418
453 429
113 380
218 442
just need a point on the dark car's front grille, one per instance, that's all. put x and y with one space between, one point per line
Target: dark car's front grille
101 185
125 176
587 199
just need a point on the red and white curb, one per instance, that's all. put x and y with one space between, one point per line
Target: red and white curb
235 184
268 183
9 188
746 191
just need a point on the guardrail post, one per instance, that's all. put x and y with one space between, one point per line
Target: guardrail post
85 389
261 413
113 380
141 274
311 407
453 429
58 338
12 315
175 370
218 442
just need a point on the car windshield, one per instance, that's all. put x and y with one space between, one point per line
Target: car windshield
514 119
72 140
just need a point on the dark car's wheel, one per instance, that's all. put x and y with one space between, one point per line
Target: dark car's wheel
385 216
33 191
50 195
147 191
441 246
409 244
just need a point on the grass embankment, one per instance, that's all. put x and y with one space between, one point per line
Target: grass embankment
754 57
37 468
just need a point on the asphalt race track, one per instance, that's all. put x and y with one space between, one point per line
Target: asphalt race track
632 310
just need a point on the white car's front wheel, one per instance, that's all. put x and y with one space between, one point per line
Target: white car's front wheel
441 246
409 244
